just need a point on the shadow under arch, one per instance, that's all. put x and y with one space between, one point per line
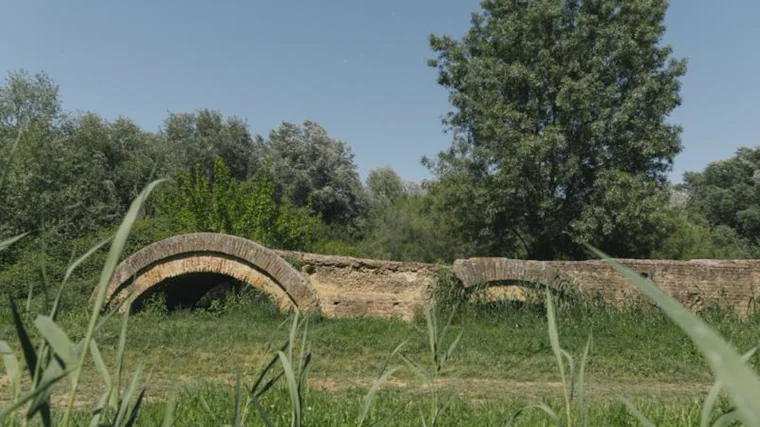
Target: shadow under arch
212 255
199 291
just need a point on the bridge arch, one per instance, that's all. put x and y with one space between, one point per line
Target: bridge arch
221 254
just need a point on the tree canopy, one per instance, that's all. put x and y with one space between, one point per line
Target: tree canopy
559 124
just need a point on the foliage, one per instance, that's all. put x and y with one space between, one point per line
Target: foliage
555 103
70 175
384 187
220 203
727 194
310 168
407 230
691 237
204 135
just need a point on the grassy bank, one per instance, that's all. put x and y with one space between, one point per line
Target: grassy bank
503 361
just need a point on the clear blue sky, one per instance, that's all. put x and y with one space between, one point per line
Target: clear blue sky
357 67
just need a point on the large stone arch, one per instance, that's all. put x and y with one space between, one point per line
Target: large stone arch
223 254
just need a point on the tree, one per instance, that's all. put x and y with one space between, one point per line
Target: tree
220 203
26 99
557 102
409 229
727 193
201 136
384 187
310 167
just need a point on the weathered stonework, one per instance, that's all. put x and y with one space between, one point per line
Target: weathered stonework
344 286
360 287
247 255
694 283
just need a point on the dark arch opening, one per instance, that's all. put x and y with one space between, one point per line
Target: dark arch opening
195 291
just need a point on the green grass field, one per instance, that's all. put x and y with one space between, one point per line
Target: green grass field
504 361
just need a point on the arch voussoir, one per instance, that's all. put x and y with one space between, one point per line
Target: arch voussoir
232 256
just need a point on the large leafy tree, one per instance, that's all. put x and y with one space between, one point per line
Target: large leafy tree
313 169
559 127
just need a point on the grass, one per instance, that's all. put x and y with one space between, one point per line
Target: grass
503 360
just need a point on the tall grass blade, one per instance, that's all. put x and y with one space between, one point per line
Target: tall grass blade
712 396
236 409
57 338
432 334
171 405
390 356
97 412
12 369
261 412
257 389
726 419
582 410
390 416
42 387
292 336
135 409
114 254
127 396
370 396
740 382
292 388
5 244
553 415
558 351
69 271
452 347
645 422
120 355
30 355
424 376
303 376
100 365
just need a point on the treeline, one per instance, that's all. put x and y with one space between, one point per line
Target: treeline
559 138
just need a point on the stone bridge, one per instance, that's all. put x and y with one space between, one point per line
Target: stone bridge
344 286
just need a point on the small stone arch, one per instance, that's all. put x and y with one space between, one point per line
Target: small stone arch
515 276
223 254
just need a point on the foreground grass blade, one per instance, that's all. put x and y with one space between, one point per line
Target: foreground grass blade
292 388
57 338
582 411
740 382
100 365
712 396
72 267
97 412
43 387
558 351
382 378
135 409
171 405
5 244
261 412
372 392
120 356
114 255
30 355
12 369
645 422
127 396
236 421
553 415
